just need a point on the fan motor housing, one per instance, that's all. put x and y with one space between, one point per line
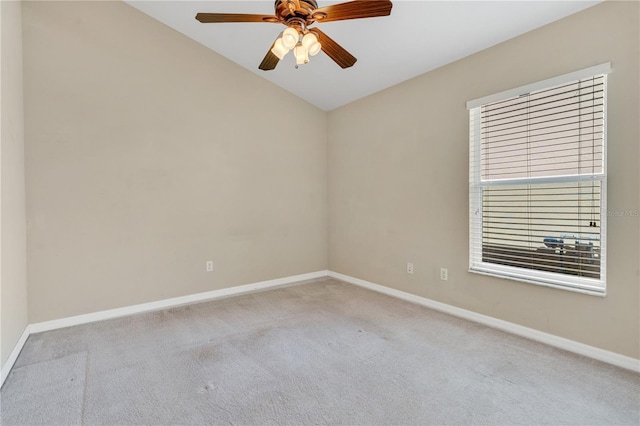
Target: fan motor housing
300 9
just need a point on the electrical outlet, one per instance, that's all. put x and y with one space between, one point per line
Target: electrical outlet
209 265
409 268
444 274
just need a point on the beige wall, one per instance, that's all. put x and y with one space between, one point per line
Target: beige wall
147 155
398 180
13 279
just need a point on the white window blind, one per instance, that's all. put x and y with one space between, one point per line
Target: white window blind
538 180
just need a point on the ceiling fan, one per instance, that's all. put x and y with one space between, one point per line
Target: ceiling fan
298 16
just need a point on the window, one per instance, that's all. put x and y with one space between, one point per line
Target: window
537 182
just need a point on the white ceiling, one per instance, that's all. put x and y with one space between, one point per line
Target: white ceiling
418 36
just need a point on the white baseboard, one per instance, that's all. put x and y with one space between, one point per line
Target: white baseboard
170 303
529 333
13 356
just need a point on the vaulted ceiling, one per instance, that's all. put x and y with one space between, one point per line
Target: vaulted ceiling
417 37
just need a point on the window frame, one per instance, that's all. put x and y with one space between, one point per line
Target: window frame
548 279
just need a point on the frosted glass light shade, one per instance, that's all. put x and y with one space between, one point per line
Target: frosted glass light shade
278 49
301 54
310 42
289 38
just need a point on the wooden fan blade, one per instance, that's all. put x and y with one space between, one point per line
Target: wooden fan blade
270 60
334 50
207 18
353 10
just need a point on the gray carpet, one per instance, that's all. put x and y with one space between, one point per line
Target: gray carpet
323 352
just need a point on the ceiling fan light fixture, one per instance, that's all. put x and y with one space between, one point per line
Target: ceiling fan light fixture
290 38
310 42
301 54
279 50
297 16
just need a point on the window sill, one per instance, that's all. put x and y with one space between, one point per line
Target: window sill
515 275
